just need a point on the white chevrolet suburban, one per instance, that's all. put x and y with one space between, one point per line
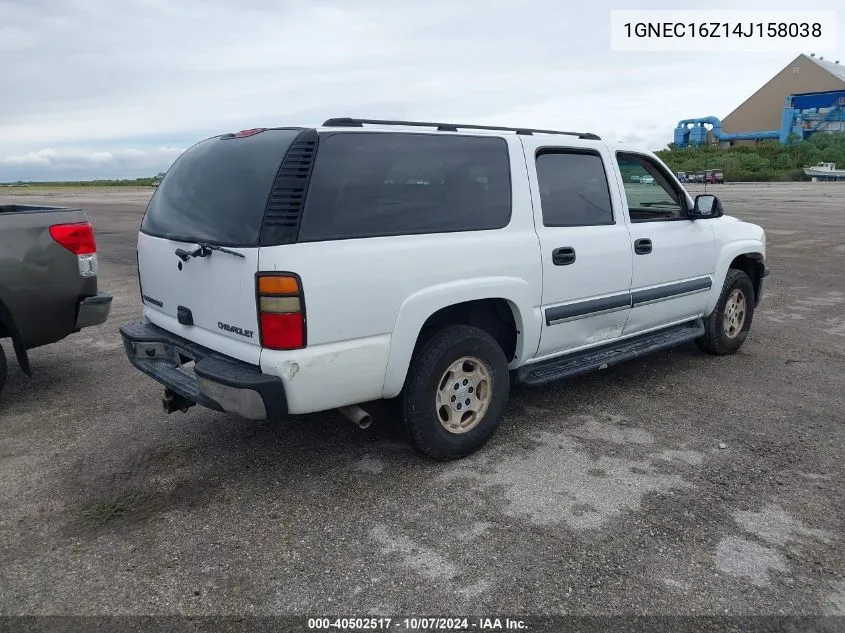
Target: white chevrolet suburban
293 270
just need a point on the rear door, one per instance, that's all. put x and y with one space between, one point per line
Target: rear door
584 241
213 197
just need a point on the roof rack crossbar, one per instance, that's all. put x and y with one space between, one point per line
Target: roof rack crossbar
451 127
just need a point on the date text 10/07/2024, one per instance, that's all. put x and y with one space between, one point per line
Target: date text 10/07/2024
414 624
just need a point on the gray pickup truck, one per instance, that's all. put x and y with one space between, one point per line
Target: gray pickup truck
48 278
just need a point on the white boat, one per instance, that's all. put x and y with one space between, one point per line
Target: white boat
825 171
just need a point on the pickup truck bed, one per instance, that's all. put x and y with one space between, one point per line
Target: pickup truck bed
48 287
31 208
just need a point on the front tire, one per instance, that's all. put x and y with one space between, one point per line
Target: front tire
726 329
455 393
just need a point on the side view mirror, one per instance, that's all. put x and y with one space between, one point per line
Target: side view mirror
706 206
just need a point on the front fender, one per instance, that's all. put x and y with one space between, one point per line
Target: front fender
417 308
729 252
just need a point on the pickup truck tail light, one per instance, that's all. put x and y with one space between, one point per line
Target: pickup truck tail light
281 311
78 238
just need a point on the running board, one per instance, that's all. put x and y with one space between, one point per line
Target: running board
602 357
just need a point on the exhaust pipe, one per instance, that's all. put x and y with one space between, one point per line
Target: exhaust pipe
173 401
357 416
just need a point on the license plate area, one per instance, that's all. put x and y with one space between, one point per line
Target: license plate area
163 352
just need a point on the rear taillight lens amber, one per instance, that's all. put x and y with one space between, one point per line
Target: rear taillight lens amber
277 285
281 311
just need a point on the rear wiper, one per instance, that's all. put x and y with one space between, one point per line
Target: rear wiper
204 250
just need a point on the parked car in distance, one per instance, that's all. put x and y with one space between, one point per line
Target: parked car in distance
714 177
647 180
635 178
48 278
430 264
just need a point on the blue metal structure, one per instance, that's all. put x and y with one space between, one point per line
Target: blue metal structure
803 115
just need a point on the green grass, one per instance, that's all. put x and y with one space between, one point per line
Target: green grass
38 189
137 182
101 512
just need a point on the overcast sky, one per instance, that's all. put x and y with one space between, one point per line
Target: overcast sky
117 88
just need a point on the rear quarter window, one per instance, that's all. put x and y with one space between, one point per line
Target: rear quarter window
378 184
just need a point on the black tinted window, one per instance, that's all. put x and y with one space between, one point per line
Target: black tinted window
573 189
371 184
217 190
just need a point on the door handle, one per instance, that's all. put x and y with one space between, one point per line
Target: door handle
642 246
563 256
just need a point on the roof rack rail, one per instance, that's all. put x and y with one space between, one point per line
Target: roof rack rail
451 127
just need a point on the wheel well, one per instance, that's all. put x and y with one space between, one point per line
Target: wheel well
494 316
9 330
752 265
4 331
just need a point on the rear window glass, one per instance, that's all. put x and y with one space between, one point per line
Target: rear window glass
217 191
573 189
374 184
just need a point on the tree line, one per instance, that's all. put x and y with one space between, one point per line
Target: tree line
125 182
762 161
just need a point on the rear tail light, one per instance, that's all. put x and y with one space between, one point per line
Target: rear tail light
281 311
78 238
243 133
250 132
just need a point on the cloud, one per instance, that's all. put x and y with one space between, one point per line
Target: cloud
70 158
80 76
65 164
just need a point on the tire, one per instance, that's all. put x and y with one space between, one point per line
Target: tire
3 368
722 333
430 402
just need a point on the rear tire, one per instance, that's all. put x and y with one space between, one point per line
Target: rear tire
3 368
726 329
455 393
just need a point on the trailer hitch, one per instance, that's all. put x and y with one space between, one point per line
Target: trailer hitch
173 401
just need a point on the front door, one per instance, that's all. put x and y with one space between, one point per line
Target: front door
585 245
674 257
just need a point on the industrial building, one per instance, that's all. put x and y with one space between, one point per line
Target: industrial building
805 98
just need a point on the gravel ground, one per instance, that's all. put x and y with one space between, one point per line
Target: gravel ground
675 484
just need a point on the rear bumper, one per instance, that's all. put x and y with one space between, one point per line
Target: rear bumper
93 310
216 381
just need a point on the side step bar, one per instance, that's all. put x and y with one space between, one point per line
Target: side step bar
602 357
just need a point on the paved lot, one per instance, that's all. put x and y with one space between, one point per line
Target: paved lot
604 494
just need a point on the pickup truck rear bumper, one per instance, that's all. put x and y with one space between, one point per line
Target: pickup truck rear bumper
93 310
215 381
